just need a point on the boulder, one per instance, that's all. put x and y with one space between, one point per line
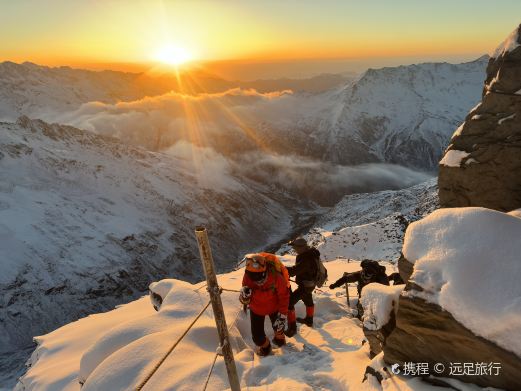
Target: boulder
482 165
460 307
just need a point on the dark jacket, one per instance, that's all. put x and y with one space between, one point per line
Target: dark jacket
305 269
379 276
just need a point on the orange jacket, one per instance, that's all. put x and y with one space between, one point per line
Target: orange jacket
270 297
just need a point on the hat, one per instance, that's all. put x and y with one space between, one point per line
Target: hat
255 263
298 242
369 264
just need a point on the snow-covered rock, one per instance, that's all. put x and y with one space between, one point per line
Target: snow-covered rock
379 303
462 302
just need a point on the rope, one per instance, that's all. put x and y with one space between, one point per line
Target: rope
222 289
156 367
218 353
230 290
210 372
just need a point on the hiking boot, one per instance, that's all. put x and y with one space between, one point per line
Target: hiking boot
308 321
264 350
279 341
292 324
292 329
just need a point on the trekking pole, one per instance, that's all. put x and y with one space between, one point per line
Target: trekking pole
347 295
217 306
347 292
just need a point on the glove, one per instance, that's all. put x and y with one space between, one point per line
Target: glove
245 295
280 323
332 286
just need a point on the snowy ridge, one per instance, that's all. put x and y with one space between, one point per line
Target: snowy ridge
402 115
35 90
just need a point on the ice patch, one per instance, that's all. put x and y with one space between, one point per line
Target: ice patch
453 158
510 117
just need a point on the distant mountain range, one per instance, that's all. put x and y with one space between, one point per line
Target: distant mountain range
403 115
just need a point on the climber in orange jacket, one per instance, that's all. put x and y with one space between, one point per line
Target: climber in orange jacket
265 290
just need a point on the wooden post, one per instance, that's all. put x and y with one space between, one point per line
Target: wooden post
217 306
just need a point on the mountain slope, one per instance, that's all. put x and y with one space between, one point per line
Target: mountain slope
87 222
403 115
371 225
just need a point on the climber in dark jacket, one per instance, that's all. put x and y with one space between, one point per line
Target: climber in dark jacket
305 272
371 271
396 279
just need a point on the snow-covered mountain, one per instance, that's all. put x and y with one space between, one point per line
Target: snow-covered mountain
371 225
34 90
402 115
86 223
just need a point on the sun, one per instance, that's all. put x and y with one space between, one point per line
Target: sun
173 55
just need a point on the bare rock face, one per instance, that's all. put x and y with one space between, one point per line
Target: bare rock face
482 165
426 333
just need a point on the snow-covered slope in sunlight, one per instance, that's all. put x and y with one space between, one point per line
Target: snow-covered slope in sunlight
116 350
371 225
87 222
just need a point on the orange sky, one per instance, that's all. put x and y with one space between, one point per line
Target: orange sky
121 32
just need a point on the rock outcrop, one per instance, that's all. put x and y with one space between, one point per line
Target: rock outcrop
459 325
482 165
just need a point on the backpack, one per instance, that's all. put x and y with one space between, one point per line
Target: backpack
321 276
276 265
